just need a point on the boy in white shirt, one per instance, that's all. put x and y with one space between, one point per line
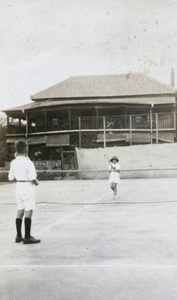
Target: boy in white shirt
23 171
114 177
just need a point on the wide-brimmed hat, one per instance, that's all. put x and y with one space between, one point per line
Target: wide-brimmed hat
114 158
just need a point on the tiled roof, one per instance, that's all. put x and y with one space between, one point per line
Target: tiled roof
97 86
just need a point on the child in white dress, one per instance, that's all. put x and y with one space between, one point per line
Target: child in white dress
114 177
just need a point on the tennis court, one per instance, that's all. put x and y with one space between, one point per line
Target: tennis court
93 247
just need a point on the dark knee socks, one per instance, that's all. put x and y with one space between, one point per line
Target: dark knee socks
19 226
27 227
27 222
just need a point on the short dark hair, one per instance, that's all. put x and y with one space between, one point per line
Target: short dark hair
21 147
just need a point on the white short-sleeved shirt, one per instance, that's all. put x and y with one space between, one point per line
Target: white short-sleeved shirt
114 176
22 168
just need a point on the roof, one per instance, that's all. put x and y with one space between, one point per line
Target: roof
130 100
122 85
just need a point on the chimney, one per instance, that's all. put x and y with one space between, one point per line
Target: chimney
172 78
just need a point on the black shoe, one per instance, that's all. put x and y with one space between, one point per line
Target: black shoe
30 240
19 239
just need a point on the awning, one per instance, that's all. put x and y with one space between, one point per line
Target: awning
55 140
37 140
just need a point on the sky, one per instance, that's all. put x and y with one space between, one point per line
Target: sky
43 42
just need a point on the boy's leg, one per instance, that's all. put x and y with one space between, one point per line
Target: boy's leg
28 238
18 222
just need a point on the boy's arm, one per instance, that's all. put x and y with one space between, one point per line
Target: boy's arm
32 174
11 175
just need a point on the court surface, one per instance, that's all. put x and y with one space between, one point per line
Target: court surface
92 246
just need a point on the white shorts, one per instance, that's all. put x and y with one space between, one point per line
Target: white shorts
25 195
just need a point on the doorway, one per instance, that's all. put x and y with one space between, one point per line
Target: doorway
68 162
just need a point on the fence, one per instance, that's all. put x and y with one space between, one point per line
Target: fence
98 174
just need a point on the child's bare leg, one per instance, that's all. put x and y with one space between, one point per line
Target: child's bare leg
20 213
28 213
112 186
115 189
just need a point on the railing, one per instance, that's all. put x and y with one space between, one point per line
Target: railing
16 129
129 123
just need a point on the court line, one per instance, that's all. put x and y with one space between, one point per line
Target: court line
95 203
108 203
71 215
114 266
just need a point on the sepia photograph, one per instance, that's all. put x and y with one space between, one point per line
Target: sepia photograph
88 150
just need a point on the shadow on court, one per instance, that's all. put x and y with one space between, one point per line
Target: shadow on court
93 247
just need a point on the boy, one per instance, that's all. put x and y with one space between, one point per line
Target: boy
22 169
114 177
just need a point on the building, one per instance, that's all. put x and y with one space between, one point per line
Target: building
94 111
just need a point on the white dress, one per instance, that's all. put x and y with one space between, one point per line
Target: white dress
114 176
